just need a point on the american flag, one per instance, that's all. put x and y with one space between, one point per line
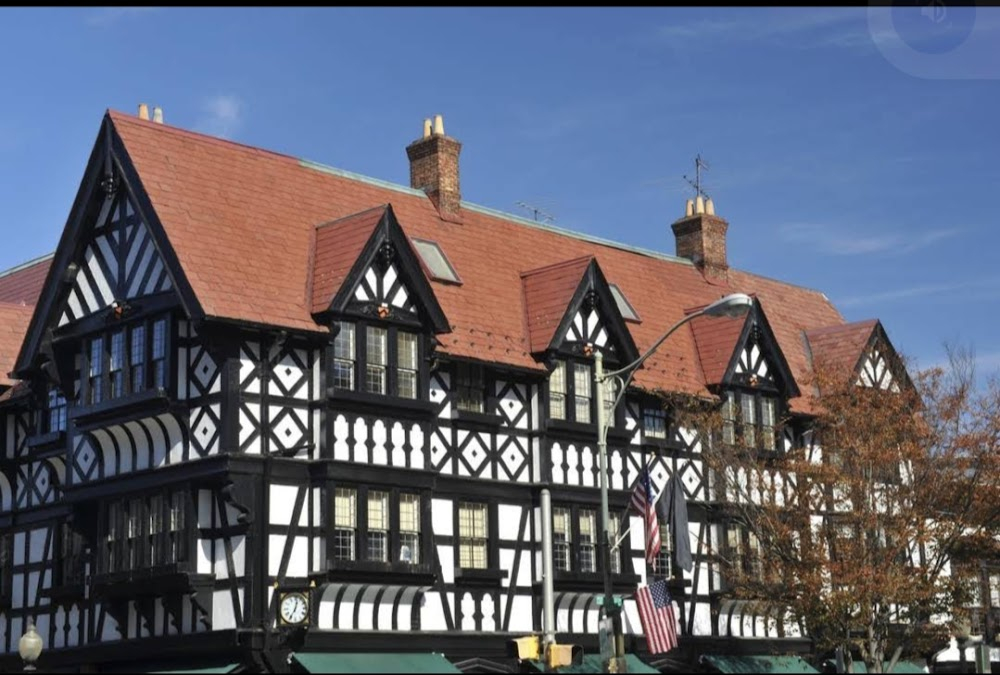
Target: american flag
656 611
642 505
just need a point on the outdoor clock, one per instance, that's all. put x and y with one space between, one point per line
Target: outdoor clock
293 608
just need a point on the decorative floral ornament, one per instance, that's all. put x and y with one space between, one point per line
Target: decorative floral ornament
588 349
383 311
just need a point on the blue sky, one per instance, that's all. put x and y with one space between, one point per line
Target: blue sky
852 150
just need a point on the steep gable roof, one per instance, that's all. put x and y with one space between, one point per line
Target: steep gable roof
13 324
22 284
547 293
715 337
220 202
840 347
336 248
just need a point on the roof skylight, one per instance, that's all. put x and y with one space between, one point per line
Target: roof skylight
624 306
436 262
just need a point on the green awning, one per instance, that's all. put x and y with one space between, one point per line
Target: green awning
759 664
194 671
901 667
380 662
592 663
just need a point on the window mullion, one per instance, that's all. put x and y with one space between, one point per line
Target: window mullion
391 361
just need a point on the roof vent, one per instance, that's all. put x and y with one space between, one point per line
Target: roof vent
158 115
143 111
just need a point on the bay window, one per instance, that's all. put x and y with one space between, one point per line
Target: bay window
145 531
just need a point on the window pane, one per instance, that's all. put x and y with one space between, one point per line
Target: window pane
610 390
409 528
343 356
557 392
729 419
472 535
588 538
749 414
377 354
344 519
378 526
655 422
767 423
469 386
581 381
160 353
434 258
561 539
663 558
406 372
614 523
96 369
117 363
137 358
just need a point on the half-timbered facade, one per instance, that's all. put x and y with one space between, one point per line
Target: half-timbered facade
242 375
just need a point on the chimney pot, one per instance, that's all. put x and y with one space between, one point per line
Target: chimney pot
709 207
427 128
689 208
699 204
143 111
158 115
439 125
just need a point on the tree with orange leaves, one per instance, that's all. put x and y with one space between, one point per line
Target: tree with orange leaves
851 535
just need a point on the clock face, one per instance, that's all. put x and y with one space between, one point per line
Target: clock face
294 608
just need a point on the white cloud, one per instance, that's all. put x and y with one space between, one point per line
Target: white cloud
801 28
110 15
981 289
840 242
222 115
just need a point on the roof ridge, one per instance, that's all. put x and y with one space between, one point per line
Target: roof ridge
119 116
380 207
26 265
823 330
562 263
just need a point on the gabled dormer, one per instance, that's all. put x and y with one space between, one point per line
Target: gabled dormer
112 292
861 351
743 363
571 311
367 284
572 314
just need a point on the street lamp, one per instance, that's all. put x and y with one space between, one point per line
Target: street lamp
733 305
30 646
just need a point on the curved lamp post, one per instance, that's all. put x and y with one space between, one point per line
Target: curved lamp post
30 646
733 305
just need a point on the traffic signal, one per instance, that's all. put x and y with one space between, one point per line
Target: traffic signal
525 648
564 655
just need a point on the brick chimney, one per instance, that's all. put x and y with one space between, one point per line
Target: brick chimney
701 238
434 168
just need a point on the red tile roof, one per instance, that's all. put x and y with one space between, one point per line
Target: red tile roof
14 320
840 346
337 247
23 284
547 293
241 221
715 337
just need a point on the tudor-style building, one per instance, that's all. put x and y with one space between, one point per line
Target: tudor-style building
242 376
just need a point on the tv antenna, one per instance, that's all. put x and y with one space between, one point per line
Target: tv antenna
537 213
699 164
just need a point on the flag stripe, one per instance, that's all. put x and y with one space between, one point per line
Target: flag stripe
656 612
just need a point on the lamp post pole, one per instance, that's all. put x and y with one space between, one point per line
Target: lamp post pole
732 305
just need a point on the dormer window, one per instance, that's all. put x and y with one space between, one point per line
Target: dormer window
749 419
55 414
571 393
387 356
469 387
116 360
